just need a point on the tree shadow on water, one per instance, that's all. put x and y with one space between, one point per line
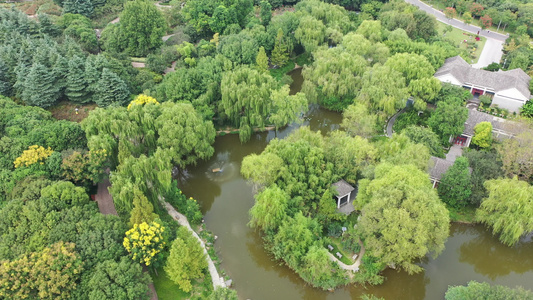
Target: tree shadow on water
493 259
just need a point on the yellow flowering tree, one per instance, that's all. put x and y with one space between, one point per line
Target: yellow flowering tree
34 154
144 242
142 100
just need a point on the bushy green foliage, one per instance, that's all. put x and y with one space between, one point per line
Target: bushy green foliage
482 135
448 119
483 290
296 201
249 97
455 186
187 206
207 16
508 209
426 137
485 166
187 260
403 219
139 31
49 273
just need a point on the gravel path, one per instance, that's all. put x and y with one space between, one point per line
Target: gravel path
182 220
353 267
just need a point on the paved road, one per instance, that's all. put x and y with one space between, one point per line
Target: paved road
391 121
492 52
456 23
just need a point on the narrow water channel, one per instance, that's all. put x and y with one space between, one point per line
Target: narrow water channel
471 252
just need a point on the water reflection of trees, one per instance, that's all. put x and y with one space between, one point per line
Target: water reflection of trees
493 259
260 256
397 285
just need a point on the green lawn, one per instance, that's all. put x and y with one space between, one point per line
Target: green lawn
463 215
337 248
138 59
279 72
166 289
458 36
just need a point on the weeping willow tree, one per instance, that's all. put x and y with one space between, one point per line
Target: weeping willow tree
334 77
251 99
150 175
508 209
383 89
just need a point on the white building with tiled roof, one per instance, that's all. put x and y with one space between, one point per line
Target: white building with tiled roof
509 89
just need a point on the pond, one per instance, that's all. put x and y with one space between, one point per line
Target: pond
471 253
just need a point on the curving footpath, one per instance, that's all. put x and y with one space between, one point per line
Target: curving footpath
353 267
391 121
182 220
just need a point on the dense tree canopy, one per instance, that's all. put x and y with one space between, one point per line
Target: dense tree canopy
186 261
403 218
455 186
508 209
139 31
483 290
251 99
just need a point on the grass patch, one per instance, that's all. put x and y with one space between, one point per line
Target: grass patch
166 289
65 110
138 59
463 215
458 37
280 72
335 243
303 59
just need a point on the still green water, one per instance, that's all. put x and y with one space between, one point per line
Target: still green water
471 253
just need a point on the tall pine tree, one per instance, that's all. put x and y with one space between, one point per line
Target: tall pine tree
280 56
76 88
39 87
111 90
5 85
82 7
262 60
266 13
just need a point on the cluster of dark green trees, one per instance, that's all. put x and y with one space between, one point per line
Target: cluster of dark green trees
41 70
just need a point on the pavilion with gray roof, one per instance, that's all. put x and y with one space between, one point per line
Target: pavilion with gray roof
344 192
508 89
437 168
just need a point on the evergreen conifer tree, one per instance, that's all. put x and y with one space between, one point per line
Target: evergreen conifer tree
143 210
82 7
262 60
39 87
111 90
76 88
60 70
280 56
186 260
266 13
5 85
